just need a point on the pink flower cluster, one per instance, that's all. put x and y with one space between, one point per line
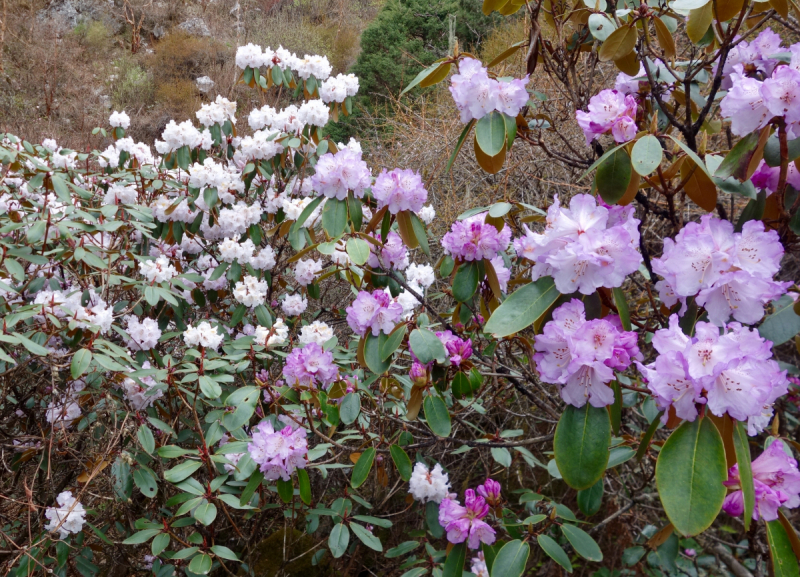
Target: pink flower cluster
584 247
400 190
751 103
777 484
582 355
733 373
278 453
474 239
373 312
466 523
476 95
609 110
729 273
337 173
755 57
392 255
458 349
309 367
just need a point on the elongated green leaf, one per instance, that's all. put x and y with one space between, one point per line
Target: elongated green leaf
305 486
145 436
362 468
393 341
613 176
426 346
366 537
522 308
737 160
511 560
205 513
491 133
689 474
401 461
437 416
784 561
554 551
141 537
691 154
772 150
80 362
581 445
454 564
201 564
459 145
742 448
357 250
783 324
582 542
338 540
590 500
334 217
250 488
372 353
466 281
422 76
622 308
350 408
182 471
285 490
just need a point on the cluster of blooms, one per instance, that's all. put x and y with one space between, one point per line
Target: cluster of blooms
466 523
639 85
307 270
96 315
375 312
140 394
340 172
733 373
274 337
290 119
317 332
337 88
217 112
251 56
110 157
309 367
609 110
63 410
751 104
278 453
776 480
768 177
158 270
429 485
729 273
250 291
458 349
478 566
179 135
119 120
68 517
121 194
245 253
476 95
584 247
756 57
474 239
392 254
143 334
400 190
421 274
203 335
582 355
294 305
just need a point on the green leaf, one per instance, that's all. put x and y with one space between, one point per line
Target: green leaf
783 324
691 154
122 481
402 549
582 542
502 456
742 448
146 439
432 519
209 388
459 145
401 461
146 482
392 342
784 561
772 150
419 231
622 308
581 445
80 362
338 540
205 512
689 474
366 537
295 232
33 347
372 353
613 176
590 500
305 486
141 537
250 488
511 560
491 133
646 155
522 308
454 564
350 408
224 552
334 217
362 468
285 490
466 281
357 250
553 550
737 160
426 346
201 564
182 471
437 416
422 76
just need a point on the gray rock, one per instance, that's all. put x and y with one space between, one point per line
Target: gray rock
159 32
64 15
204 84
195 27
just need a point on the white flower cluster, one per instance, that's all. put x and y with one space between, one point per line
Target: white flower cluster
178 135
68 517
337 88
307 270
250 291
274 337
262 145
143 334
252 56
294 305
119 120
158 270
217 112
204 335
244 252
62 410
67 304
421 274
136 150
426 485
141 396
121 194
224 178
317 332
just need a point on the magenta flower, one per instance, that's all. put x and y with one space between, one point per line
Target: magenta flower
278 453
474 239
465 523
392 255
373 312
400 190
309 367
418 373
490 491
777 484
767 177
458 349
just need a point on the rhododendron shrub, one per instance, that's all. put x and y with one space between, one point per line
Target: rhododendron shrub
247 339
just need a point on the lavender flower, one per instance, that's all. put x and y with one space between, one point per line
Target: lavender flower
474 239
465 523
400 190
278 453
373 312
310 367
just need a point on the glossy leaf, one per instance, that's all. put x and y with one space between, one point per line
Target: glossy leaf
305 486
334 217
362 468
613 176
401 461
466 281
590 500
426 346
784 561
742 448
349 408
522 308
490 133
437 416
338 540
554 551
581 445
80 362
511 559
582 542
782 325
372 353
454 564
